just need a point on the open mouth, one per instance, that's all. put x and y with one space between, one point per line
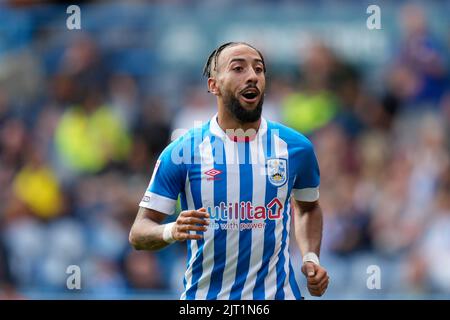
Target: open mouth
250 95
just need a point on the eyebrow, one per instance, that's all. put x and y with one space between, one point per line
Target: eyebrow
243 60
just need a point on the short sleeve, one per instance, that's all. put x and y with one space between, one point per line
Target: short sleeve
167 180
306 185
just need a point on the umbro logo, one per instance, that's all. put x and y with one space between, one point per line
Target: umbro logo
213 173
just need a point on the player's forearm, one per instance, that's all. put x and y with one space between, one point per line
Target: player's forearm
147 237
308 228
146 234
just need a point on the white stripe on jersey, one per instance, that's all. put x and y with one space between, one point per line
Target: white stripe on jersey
270 283
207 191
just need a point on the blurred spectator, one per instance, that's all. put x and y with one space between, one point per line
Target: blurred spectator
432 257
90 136
419 75
124 98
22 80
83 61
37 186
314 106
154 124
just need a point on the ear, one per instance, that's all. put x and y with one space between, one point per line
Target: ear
212 86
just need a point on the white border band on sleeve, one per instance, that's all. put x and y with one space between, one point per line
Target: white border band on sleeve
307 194
159 203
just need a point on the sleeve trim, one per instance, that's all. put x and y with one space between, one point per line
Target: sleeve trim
159 203
306 194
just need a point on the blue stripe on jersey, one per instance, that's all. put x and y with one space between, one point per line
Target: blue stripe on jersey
195 171
245 236
293 283
220 236
281 273
183 200
269 232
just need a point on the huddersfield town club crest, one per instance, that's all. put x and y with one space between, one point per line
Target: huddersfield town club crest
277 171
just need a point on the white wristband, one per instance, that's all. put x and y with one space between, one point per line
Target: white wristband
167 233
312 257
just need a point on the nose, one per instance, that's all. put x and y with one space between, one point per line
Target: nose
252 77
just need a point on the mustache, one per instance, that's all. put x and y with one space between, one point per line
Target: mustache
250 86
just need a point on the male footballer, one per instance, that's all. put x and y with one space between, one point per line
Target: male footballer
240 179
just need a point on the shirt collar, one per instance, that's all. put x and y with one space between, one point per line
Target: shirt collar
217 130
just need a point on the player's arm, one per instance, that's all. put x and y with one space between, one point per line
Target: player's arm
308 224
308 219
148 232
169 175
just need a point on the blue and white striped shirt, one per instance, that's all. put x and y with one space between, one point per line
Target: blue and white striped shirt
246 188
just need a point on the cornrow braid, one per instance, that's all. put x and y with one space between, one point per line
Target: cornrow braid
213 57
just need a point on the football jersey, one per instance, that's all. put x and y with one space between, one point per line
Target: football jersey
246 188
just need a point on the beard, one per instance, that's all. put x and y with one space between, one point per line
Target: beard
240 113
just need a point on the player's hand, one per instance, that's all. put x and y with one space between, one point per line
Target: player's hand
190 220
317 278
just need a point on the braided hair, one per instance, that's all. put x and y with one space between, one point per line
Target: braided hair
211 63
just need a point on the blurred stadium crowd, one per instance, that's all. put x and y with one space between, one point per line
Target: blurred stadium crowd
79 136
